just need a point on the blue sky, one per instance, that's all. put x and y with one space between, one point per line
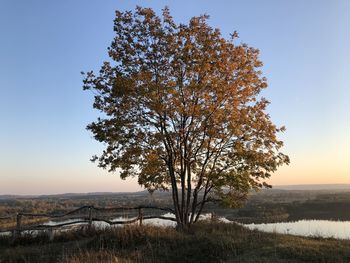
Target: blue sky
44 45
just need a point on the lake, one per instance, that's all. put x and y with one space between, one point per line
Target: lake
310 228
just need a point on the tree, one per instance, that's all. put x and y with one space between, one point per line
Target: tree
181 110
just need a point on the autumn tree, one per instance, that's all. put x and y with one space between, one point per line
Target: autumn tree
182 111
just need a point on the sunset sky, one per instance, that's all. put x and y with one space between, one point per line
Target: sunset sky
44 45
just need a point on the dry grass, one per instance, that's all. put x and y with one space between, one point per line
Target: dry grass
206 242
11 223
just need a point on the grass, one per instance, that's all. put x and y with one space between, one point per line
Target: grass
10 224
205 242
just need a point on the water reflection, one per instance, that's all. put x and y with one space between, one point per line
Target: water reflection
314 228
311 228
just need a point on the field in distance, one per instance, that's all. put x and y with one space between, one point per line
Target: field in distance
282 203
227 242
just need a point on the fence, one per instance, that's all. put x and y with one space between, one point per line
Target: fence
85 218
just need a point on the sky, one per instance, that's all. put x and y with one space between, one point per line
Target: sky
44 45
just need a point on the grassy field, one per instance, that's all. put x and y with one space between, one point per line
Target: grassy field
271 205
206 242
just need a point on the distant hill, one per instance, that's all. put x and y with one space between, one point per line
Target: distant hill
313 187
301 187
72 195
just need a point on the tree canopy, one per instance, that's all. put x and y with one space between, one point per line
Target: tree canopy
182 111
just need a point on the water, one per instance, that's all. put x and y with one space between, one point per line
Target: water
309 228
102 225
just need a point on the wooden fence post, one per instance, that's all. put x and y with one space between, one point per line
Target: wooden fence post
18 225
90 217
140 216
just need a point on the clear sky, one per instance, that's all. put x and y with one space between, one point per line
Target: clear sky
44 147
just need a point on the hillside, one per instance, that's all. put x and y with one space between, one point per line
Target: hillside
206 242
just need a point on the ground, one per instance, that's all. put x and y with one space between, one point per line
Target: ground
205 242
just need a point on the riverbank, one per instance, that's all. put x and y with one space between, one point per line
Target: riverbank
206 242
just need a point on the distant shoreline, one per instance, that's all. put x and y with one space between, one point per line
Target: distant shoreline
300 187
313 187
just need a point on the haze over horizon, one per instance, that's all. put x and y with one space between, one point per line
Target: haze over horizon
44 147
